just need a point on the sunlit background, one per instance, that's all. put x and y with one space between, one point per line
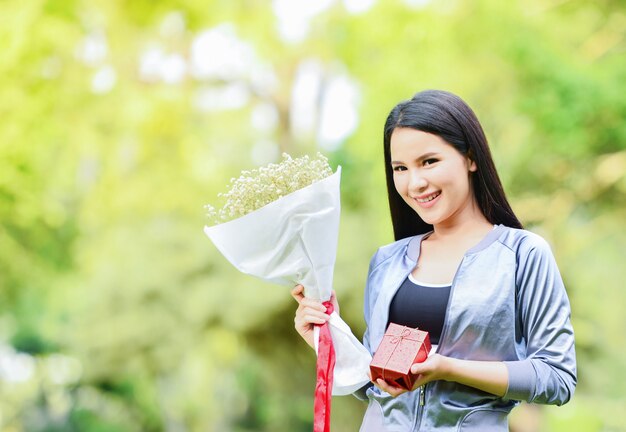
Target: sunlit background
120 120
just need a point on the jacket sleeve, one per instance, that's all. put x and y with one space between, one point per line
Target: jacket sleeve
546 373
367 311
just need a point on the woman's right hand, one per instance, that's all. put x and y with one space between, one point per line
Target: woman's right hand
309 313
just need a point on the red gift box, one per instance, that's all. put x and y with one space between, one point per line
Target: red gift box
400 348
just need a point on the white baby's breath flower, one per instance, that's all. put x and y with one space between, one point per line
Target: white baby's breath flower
259 187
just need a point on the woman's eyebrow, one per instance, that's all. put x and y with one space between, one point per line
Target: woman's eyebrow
420 158
427 156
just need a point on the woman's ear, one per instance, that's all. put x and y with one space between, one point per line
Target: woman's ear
471 165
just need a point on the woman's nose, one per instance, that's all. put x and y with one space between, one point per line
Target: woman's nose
417 182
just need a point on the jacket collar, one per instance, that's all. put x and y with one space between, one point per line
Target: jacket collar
414 246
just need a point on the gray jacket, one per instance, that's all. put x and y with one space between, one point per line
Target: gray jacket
507 303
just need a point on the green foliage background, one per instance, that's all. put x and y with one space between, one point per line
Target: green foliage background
118 314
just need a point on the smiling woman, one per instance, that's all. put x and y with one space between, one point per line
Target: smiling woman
463 269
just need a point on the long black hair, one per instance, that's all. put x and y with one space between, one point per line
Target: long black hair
448 116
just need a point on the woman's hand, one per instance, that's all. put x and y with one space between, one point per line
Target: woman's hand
433 368
489 376
385 386
309 313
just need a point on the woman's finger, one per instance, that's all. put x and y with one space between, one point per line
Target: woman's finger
298 293
305 313
392 390
313 304
313 319
428 366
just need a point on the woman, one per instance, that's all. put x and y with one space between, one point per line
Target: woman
489 293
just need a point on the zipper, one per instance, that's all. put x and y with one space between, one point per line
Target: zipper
420 406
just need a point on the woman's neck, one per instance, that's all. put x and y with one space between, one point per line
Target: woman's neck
474 225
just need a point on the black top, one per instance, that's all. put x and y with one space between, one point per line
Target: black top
421 306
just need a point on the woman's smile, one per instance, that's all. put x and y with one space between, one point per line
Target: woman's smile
428 200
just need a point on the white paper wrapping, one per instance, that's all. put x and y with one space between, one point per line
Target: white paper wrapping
293 240
352 359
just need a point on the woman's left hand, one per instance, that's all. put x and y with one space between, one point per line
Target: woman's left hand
432 369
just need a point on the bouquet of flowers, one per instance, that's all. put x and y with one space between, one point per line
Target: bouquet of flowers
281 224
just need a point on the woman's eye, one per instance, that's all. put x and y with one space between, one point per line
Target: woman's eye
430 161
399 168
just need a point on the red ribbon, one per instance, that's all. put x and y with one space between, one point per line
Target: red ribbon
324 384
395 340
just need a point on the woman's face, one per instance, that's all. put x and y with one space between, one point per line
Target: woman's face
432 176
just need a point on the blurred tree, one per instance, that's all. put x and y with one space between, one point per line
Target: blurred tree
120 120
